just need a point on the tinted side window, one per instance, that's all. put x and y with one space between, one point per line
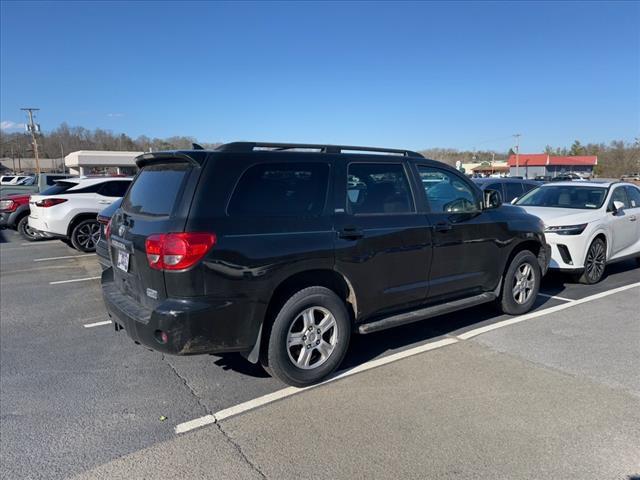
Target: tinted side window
527 187
116 188
446 192
156 189
512 190
633 195
50 180
378 188
281 189
619 195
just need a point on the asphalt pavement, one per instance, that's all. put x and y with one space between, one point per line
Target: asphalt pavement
524 401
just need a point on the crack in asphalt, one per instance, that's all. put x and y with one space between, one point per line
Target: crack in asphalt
206 409
238 448
186 384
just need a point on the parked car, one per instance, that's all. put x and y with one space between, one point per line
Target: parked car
542 178
33 184
509 188
589 225
13 179
68 210
14 213
104 217
568 177
280 254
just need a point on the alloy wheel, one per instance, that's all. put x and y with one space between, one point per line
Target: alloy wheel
88 235
524 279
595 261
312 338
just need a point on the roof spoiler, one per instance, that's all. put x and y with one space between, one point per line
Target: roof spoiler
163 157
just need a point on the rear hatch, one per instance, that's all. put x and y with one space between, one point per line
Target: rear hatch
157 202
59 188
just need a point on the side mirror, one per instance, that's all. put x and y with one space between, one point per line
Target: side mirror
618 207
492 199
513 202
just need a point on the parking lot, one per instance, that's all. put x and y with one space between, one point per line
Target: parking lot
552 394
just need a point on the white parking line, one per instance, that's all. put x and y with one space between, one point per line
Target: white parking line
97 324
554 297
546 311
62 258
287 392
74 280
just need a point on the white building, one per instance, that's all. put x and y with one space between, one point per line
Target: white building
93 162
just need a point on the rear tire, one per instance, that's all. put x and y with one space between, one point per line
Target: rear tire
85 235
595 262
520 284
25 231
309 337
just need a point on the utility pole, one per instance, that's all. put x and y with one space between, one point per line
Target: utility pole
62 156
517 137
13 159
33 128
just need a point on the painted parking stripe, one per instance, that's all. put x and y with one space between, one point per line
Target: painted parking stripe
555 297
546 311
289 391
97 324
62 258
74 280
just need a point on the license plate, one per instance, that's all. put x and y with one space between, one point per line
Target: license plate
123 260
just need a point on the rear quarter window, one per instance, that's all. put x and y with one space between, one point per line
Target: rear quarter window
156 189
281 189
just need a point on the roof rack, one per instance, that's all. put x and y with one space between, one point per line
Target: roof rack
253 146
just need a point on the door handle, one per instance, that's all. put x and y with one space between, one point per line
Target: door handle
442 227
350 233
105 202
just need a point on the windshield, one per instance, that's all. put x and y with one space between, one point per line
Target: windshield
565 196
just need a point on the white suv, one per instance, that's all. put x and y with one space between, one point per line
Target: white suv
68 209
587 224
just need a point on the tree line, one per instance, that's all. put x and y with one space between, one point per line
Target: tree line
614 159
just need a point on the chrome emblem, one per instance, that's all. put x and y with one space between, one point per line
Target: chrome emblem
121 231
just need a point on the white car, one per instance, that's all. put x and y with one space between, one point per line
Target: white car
68 209
14 179
587 224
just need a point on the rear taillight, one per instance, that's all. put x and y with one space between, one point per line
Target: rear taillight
8 205
177 251
50 202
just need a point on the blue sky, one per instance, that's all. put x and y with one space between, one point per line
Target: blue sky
412 75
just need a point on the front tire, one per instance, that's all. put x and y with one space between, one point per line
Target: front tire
25 231
594 263
85 235
520 284
309 337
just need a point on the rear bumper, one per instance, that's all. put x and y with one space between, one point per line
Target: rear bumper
102 252
192 326
5 219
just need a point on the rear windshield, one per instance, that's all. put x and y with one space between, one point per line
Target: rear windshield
58 188
155 189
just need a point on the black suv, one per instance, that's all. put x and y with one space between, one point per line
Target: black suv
281 251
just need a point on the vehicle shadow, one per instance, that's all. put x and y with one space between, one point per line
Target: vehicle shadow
3 238
237 363
555 283
364 348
